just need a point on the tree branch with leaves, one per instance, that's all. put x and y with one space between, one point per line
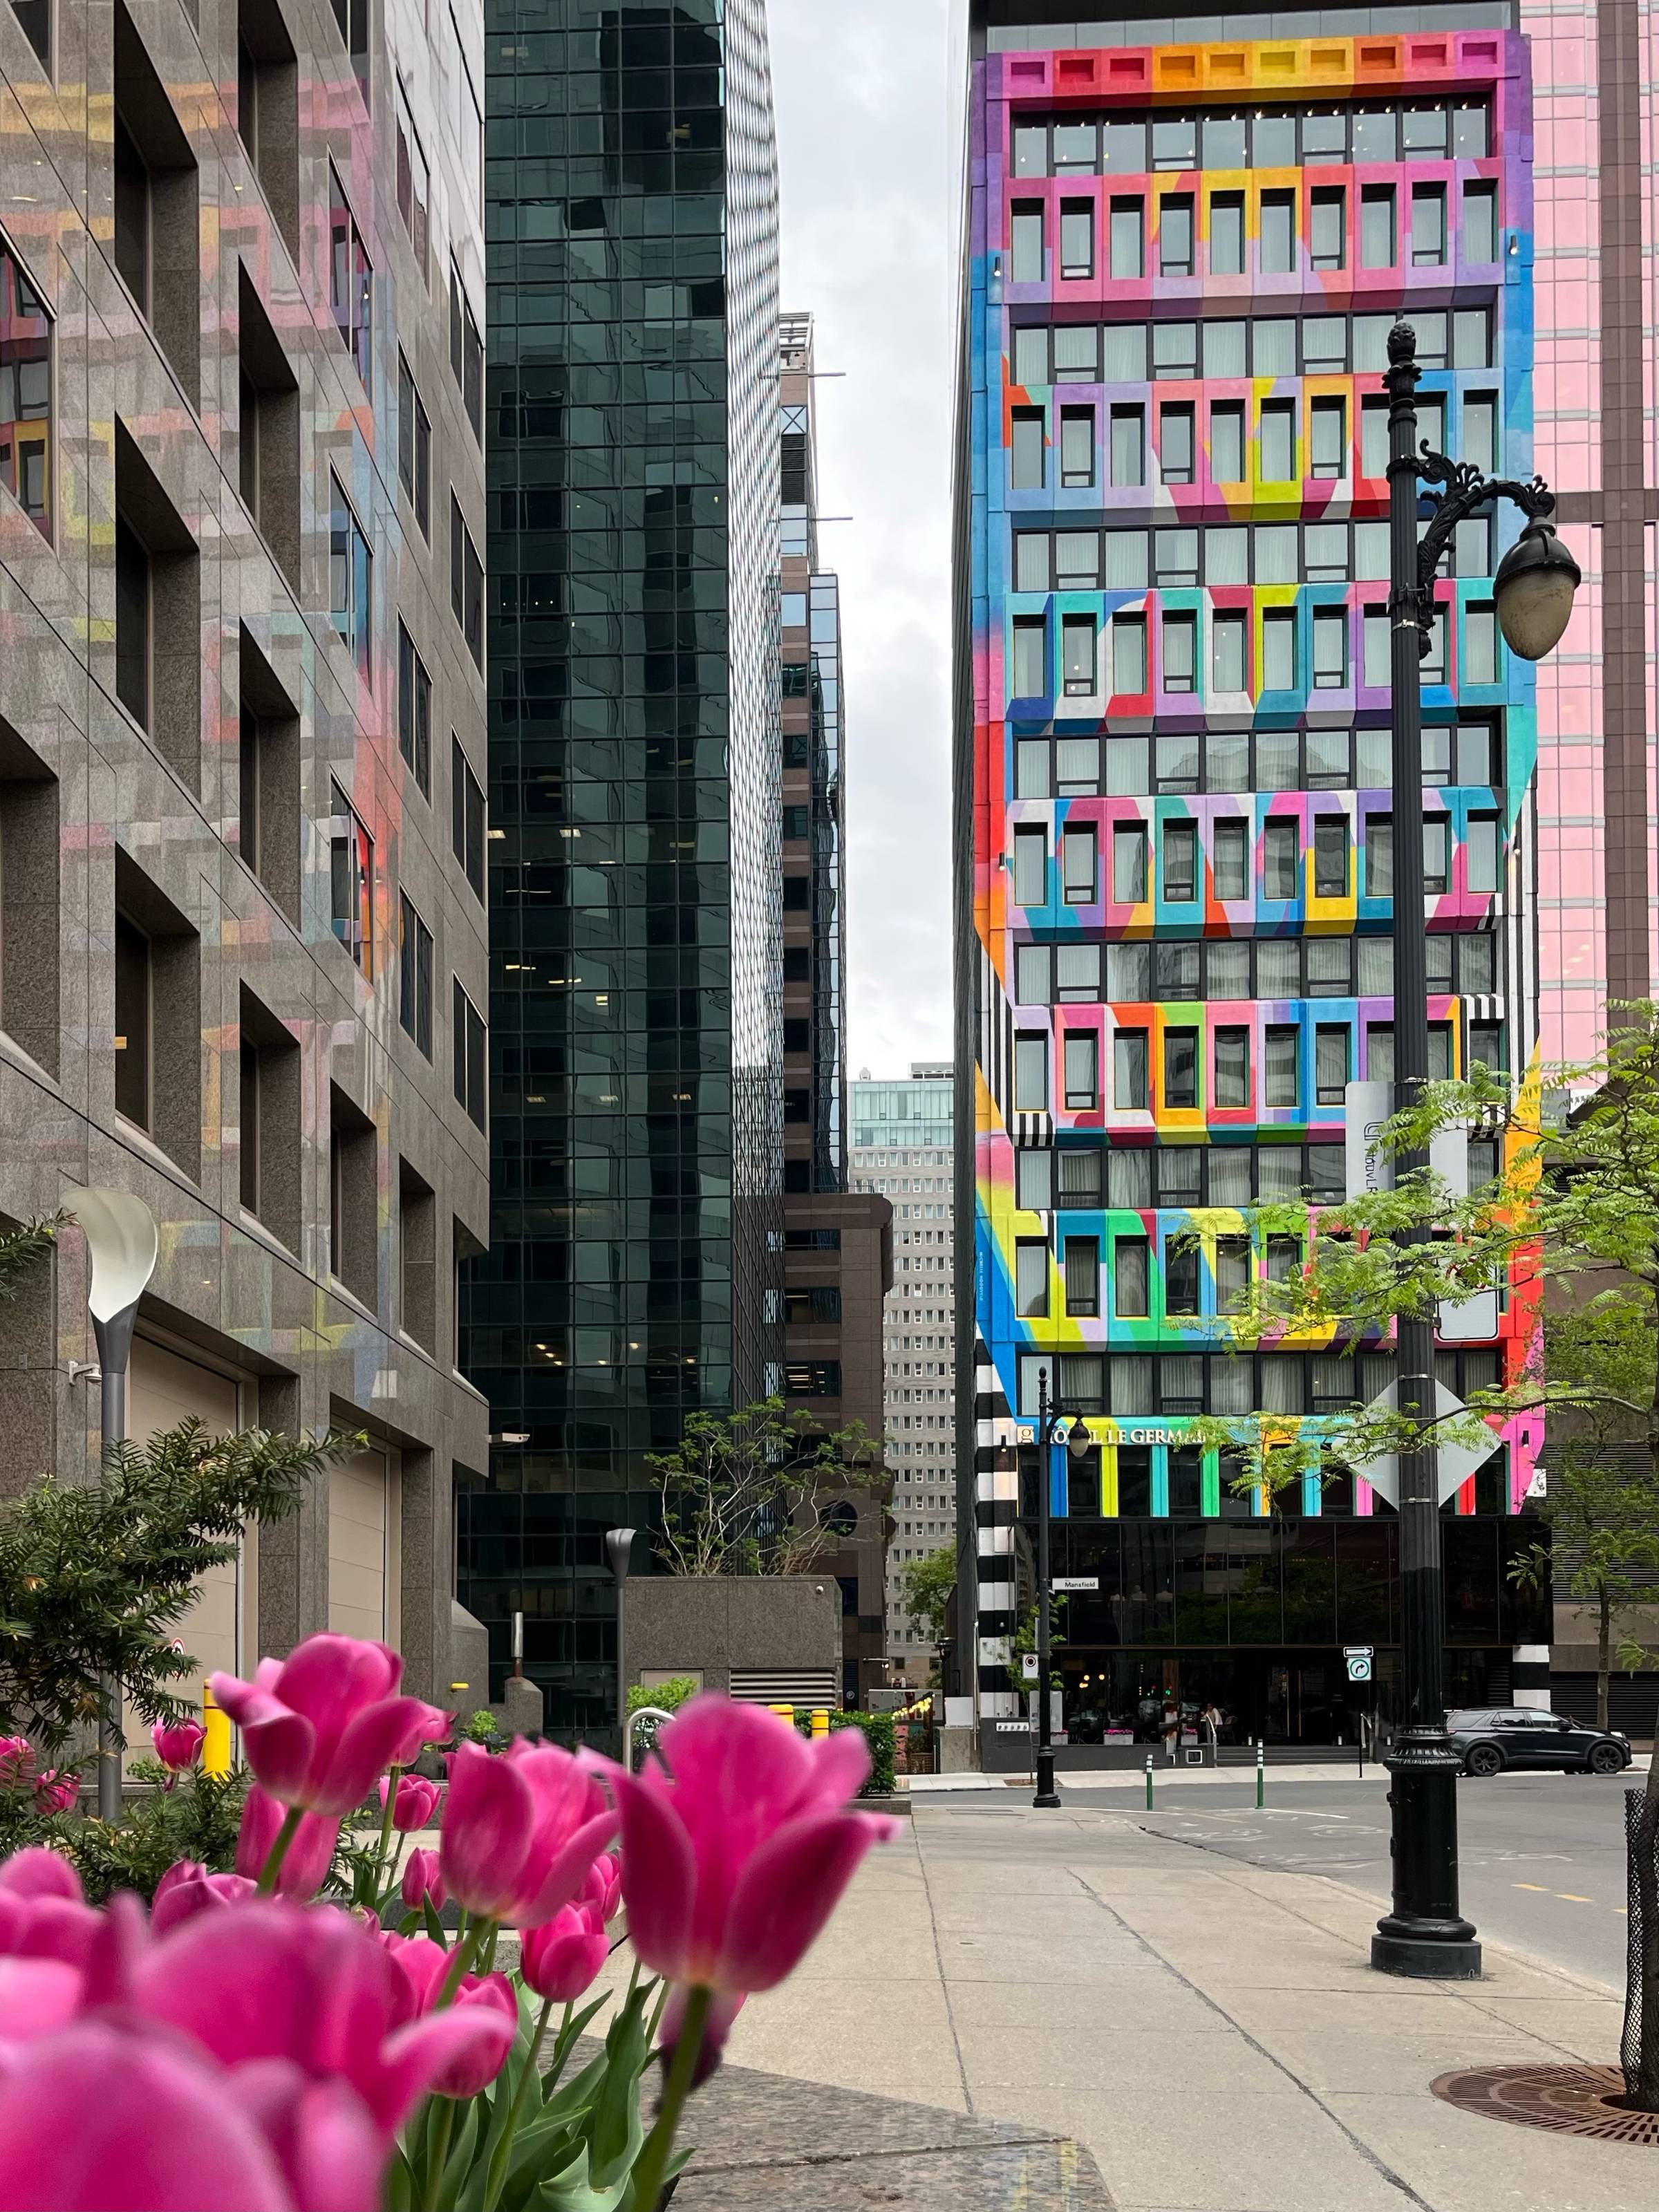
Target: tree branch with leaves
738 1492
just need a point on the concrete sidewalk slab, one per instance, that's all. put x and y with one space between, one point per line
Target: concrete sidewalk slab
1210 2030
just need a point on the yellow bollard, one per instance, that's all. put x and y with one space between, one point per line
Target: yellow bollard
783 1712
820 1721
215 1747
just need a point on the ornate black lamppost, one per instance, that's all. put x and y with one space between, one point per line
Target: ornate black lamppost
1050 1419
1426 1935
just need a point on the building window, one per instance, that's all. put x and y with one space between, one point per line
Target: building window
1082 1074
1331 856
1279 649
1025 241
1328 428
414 447
25 424
466 817
1227 441
1027 451
1129 446
465 352
1181 1069
1330 649
1378 245
1083 1276
1131 1277
1077 238
1281 859
1030 867
1030 1074
352 16
1176 227
465 583
1230 861
350 281
1278 440
1437 855
1129 1071
413 183
351 878
1030 675
1227 670
1481 644
1128 863
1278 234
34 19
469 1040
1327 229
1180 650
350 572
1482 856
1377 646
1281 1084
1180 862
414 975
1030 1279
156 211
1379 856
1128 222
414 711
1176 454
1480 429
1232 1067
1077 648
1078 867
1487 1045
1331 1063
1428 225
1227 235
133 620
1077 447
1129 654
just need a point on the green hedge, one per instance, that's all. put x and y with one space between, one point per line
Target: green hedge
878 1733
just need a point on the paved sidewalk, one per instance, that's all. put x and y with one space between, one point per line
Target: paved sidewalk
1210 2030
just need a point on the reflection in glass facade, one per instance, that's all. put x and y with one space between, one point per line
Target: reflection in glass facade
1175 823
636 1081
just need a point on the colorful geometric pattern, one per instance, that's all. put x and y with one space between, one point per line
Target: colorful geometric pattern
1179 632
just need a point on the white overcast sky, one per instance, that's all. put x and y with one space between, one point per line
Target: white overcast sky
862 115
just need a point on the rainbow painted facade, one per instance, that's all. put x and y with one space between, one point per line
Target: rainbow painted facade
1174 800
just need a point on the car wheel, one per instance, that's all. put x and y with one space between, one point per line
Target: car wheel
1605 1759
1484 1760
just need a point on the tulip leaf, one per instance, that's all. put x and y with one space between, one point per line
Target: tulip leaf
461 2155
434 1927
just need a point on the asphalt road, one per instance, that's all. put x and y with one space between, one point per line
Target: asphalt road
1542 1856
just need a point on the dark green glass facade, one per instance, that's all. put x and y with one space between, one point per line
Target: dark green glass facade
635 1038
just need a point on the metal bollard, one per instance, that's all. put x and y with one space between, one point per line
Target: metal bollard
215 1742
820 1721
1261 1774
1149 1782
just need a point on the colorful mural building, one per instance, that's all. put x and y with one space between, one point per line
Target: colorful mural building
1175 823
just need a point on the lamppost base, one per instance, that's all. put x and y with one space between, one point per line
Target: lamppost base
1046 1801
1416 1958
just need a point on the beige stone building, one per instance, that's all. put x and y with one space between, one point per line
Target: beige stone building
242 823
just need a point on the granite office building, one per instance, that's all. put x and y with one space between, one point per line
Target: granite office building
635 1269
242 959
1184 249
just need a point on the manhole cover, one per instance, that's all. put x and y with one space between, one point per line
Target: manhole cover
1571 2100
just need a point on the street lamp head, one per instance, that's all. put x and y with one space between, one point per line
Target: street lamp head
619 1550
1535 586
1077 1442
121 1244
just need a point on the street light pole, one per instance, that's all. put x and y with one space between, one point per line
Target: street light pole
619 1550
1047 1797
1425 1935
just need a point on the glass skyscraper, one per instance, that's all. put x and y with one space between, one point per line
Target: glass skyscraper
1183 252
635 1272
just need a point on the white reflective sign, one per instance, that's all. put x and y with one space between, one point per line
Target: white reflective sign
1456 1462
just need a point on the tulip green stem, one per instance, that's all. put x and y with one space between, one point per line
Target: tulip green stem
652 2162
496 2180
460 1959
278 1852
385 1821
437 2155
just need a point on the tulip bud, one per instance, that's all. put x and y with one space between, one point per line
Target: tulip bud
177 1743
414 1804
563 1958
16 1757
422 1881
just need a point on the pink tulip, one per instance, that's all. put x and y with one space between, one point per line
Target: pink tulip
520 1831
730 1869
43 1914
177 1743
39 1872
104 2113
308 1857
305 1987
16 1757
563 1958
187 1888
603 1888
431 1725
55 1792
424 1878
424 1966
414 1803
318 1726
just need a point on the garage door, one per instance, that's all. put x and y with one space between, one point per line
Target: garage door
363 1545
164 1389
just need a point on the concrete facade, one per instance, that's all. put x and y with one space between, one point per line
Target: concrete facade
244 923
770 1639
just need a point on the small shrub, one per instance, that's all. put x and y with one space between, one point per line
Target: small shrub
877 1735
667 1697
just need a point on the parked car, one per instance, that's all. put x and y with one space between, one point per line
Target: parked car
1489 1738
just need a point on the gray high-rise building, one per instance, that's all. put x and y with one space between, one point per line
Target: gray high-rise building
635 1273
242 935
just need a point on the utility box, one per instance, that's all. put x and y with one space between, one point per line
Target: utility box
768 1639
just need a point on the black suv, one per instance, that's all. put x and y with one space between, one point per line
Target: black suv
1490 1739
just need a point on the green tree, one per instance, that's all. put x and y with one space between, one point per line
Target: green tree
927 1586
738 1491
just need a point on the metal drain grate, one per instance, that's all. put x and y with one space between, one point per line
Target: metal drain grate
1569 2100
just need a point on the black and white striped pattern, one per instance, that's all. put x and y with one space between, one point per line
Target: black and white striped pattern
996 1507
